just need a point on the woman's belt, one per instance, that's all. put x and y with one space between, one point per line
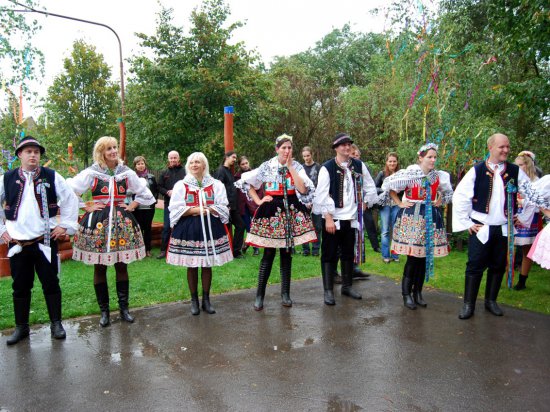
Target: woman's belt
279 192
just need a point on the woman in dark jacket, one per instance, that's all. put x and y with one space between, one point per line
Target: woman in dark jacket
144 214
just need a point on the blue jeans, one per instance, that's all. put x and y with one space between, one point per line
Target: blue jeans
388 214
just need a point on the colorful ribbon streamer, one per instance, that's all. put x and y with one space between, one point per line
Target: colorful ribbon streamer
429 231
511 190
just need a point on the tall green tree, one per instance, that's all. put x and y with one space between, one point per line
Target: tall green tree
177 97
19 59
82 103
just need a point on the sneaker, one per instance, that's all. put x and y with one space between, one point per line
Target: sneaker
386 260
314 253
396 260
162 255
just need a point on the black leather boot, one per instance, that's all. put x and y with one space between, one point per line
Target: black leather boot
347 281
21 309
206 306
417 288
122 291
286 269
358 273
195 304
263 276
407 284
53 303
102 295
491 293
471 288
521 283
328 283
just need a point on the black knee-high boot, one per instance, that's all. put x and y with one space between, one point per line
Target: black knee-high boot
407 284
263 276
471 288
347 280
286 269
102 295
419 277
21 310
53 303
494 280
327 270
123 291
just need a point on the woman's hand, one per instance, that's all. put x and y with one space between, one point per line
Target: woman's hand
438 200
405 204
264 199
289 159
89 208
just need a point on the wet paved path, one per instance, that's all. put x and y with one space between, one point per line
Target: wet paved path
372 355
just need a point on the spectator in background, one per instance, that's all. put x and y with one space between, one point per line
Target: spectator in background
225 175
144 214
312 170
388 207
168 178
246 207
368 219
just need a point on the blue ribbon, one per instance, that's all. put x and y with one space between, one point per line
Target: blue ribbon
429 231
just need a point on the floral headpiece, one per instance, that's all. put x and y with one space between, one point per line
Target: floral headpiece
283 138
426 147
528 154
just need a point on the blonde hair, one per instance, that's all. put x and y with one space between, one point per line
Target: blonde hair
100 147
197 156
529 165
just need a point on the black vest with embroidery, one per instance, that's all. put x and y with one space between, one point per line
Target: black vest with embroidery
14 184
337 177
483 186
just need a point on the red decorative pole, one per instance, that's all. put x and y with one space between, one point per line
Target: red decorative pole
228 128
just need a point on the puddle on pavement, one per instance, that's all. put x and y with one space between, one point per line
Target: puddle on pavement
374 321
335 404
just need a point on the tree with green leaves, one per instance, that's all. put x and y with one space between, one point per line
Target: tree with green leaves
176 98
82 103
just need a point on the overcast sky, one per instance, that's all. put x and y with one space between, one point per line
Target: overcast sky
273 28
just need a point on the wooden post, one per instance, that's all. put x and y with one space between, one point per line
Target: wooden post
228 128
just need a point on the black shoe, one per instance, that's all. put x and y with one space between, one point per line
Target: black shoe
238 256
521 283
123 291
467 311
21 332
57 330
314 253
329 298
256 252
259 303
305 253
102 294
359 274
195 304
206 306
377 250
408 301
491 306
162 255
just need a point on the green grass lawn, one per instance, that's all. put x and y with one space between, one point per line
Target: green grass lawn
153 281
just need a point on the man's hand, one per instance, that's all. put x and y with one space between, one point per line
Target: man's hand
6 237
330 227
475 228
58 232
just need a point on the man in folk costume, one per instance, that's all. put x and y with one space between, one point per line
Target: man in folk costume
484 203
31 197
344 189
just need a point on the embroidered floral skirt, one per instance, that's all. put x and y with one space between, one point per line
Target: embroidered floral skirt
268 227
527 235
90 243
409 232
188 247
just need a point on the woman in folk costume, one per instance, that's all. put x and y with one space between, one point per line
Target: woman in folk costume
419 230
540 250
525 235
282 219
108 233
198 213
